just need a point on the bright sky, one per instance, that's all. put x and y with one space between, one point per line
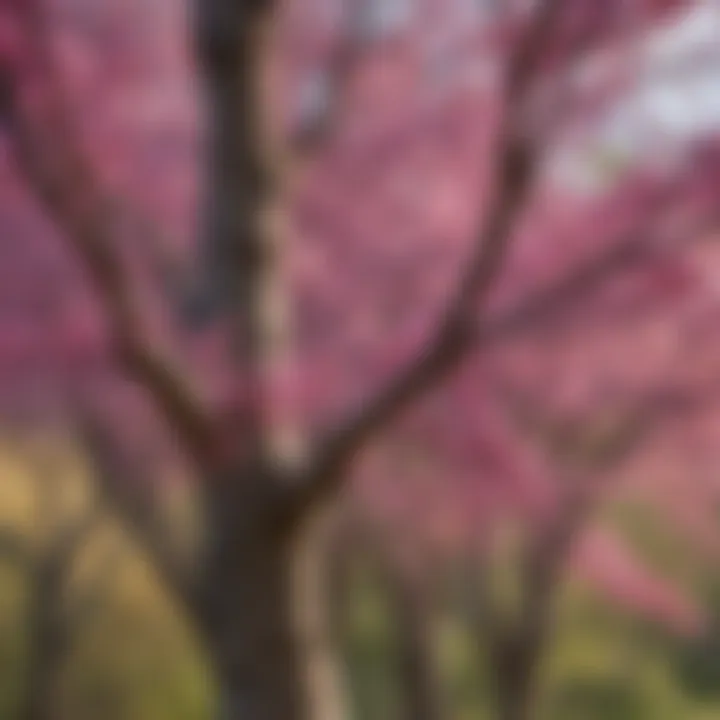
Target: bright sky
680 91
675 96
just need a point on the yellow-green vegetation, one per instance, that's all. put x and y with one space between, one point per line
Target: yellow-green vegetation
368 645
133 658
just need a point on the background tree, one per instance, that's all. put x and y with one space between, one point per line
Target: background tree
518 638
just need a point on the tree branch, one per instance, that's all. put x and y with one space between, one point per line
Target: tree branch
237 244
49 156
230 44
586 448
455 335
545 304
134 506
516 644
532 310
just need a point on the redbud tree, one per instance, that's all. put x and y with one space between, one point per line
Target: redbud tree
291 234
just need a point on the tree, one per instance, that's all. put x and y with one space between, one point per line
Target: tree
586 457
556 535
262 475
411 596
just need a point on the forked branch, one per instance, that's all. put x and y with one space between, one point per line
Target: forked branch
50 157
131 498
455 334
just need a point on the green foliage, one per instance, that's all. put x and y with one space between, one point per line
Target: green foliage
135 659
368 650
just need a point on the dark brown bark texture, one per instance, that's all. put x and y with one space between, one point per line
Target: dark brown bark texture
516 671
243 604
249 628
260 607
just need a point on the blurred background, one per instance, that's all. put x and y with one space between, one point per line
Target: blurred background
288 199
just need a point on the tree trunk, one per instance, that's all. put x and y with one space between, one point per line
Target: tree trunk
420 683
516 675
514 701
248 624
413 608
262 614
48 644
